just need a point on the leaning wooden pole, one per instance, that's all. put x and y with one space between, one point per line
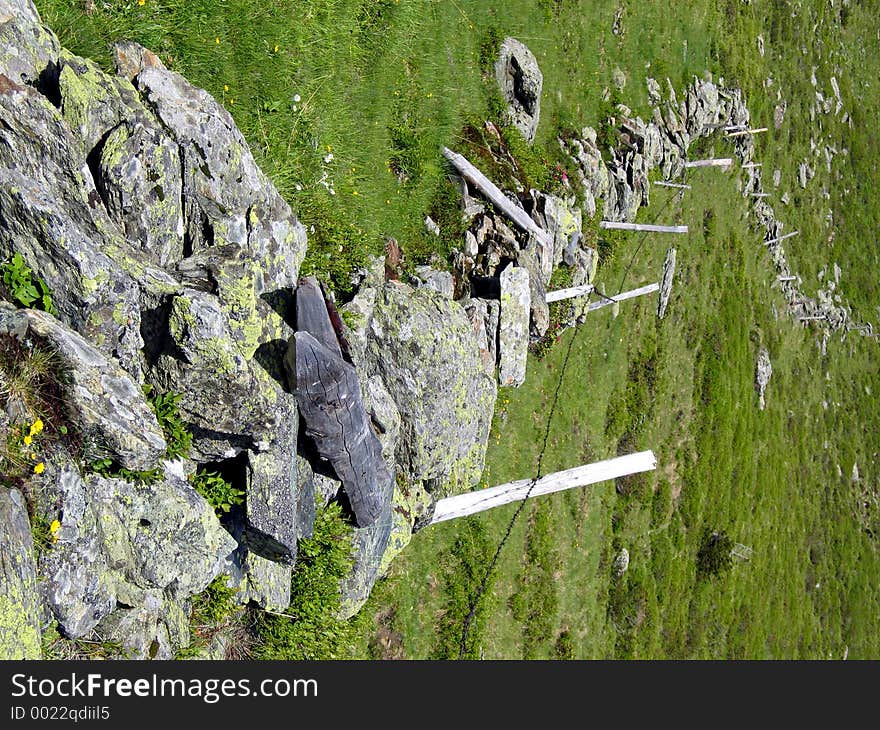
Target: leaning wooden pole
470 503
572 291
607 301
741 132
517 214
622 226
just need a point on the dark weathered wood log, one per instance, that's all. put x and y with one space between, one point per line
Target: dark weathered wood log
336 322
329 399
312 315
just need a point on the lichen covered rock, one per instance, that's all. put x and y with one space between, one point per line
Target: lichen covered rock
110 410
19 605
423 347
119 540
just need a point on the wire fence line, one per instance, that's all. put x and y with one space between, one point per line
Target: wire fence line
539 472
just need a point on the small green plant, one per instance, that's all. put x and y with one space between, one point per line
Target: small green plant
564 648
107 467
165 406
24 287
714 556
177 437
217 610
310 628
221 495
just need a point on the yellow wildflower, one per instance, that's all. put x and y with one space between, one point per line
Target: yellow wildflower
39 468
276 48
141 2
33 456
225 87
28 439
53 529
36 427
216 41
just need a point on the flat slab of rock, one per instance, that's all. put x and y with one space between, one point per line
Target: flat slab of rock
104 401
513 330
763 371
19 606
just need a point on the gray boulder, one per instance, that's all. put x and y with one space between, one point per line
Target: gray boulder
118 541
763 371
422 346
19 605
55 218
666 283
520 80
139 181
153 630
227 198
369 545
229 401
28 51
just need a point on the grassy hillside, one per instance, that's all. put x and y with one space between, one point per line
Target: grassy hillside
357 97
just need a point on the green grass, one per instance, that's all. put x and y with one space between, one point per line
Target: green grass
382 85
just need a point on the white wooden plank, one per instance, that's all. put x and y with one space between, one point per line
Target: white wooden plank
472 502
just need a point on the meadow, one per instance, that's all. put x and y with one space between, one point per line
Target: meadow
346 104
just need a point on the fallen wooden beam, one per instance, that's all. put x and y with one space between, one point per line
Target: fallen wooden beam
647 289
665 184
470 503
572 291
513 211
642 227
715 162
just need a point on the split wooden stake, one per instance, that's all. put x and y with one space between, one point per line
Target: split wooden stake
781 238
607 301
747 131
470 503
573 291
495 196
642 227
672 185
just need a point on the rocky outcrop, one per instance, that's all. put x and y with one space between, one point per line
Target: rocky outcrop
171 260
520 80
19 602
